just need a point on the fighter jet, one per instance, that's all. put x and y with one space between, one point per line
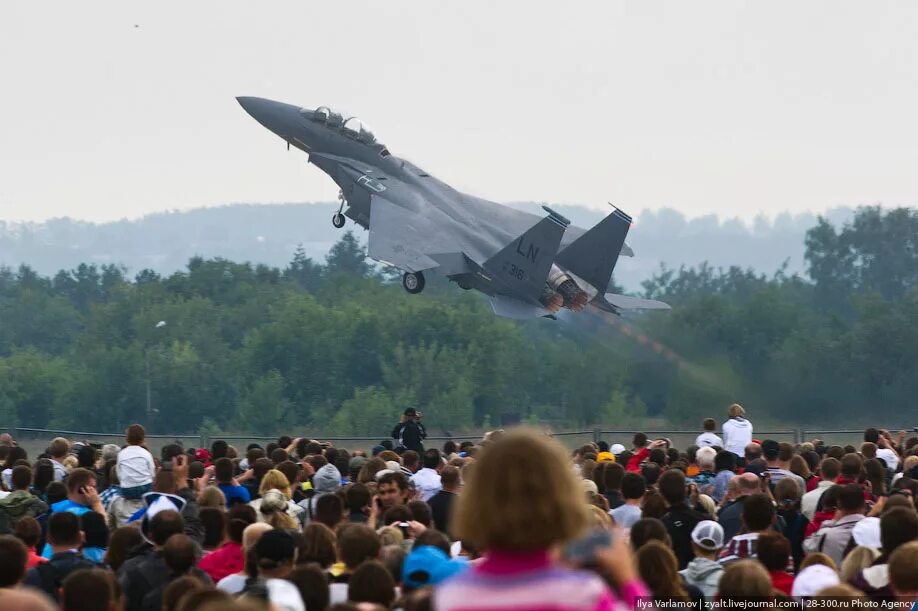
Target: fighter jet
528 266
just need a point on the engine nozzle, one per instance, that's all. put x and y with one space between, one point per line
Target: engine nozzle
552 300
574 298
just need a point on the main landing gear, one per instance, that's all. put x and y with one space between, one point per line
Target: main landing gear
413 282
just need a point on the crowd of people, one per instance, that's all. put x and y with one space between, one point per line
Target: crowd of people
508 522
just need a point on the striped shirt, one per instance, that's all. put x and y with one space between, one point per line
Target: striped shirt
745 546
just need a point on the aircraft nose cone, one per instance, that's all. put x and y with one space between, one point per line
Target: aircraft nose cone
255 106
280 118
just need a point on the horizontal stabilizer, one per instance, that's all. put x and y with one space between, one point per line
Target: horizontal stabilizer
625 302
514 308
593 255
521 267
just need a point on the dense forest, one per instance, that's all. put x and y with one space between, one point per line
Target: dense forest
338 347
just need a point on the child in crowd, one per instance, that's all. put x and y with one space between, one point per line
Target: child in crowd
135 466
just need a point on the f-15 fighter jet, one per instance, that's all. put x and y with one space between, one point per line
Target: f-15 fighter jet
527 265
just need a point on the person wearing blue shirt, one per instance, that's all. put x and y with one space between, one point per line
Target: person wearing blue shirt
234 493
82 497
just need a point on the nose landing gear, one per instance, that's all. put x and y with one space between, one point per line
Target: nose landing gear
413 282
338 218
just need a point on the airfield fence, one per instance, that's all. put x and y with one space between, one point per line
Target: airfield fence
36 440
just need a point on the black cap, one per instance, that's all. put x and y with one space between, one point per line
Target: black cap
770 449
275 545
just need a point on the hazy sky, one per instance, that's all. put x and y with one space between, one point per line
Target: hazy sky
729 107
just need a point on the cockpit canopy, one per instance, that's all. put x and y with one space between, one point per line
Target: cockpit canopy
350 126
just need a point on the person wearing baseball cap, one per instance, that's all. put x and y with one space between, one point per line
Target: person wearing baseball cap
427 566
704 570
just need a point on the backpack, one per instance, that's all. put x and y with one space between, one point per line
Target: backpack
846 527
10 514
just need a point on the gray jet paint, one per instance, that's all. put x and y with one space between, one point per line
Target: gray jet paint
527 265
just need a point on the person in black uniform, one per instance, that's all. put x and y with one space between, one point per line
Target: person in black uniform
409 432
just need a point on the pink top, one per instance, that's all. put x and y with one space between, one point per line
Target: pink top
513 581
226 560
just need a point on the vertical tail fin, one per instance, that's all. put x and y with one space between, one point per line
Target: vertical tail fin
522 266
593 255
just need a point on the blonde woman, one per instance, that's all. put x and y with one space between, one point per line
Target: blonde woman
520 503
600 518
275 480
857 560
211 496
390 535
70 463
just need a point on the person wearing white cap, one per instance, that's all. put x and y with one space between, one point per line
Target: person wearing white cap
616 450
704 570
813 579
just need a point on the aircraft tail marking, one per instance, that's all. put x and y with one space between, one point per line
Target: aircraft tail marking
522 266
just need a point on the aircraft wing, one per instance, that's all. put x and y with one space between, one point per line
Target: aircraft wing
404 239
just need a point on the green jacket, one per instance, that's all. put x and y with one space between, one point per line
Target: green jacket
17 505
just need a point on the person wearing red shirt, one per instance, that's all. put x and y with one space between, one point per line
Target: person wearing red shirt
229 558
774 553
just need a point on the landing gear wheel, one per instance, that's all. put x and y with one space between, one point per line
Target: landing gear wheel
338 220
413 282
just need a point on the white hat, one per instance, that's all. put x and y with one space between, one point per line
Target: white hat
393 465
867 533
156 502
814 579
273 500
590 486
708 535
382 472
617 448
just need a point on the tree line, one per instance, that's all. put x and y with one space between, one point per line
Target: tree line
338 347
